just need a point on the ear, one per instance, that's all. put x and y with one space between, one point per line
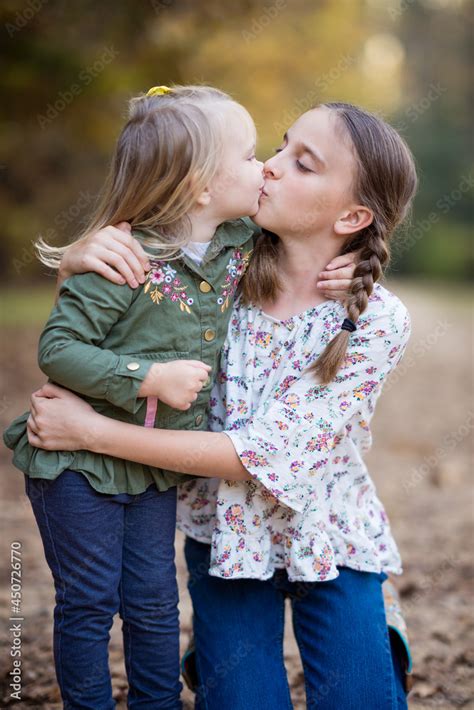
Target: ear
201 198
204 198
353 220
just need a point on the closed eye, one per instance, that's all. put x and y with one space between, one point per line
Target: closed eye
303 168
299 164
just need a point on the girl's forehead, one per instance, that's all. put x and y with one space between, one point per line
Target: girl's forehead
316 122
240 124
321 128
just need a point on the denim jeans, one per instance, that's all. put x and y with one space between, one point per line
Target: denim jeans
340 630
109 554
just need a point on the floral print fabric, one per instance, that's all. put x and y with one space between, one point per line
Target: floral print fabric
311 505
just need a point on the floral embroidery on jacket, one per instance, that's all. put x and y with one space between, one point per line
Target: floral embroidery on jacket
235 270
162 282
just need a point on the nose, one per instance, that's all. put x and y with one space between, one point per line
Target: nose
271 168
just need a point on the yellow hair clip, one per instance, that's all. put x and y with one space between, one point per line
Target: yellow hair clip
159 91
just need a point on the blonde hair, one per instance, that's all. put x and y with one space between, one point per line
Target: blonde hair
385 182
167 153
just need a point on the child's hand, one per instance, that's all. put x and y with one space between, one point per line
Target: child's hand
111 252
60 420
336 279
176 383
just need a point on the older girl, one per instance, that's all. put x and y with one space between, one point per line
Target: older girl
297 514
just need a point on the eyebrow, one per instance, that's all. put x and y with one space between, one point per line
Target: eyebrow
313 152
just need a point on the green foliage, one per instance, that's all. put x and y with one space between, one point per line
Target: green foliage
69 70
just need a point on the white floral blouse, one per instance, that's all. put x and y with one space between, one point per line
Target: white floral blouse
311 505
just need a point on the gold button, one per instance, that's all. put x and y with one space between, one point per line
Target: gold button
204 287
207 382
209 334
198 420
133 366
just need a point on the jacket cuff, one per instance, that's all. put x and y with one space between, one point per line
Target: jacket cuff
123 385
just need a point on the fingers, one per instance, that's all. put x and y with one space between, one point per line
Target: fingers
125 238
124 227
341 260
110 243
51 391
131 259
100 267
337 295
32 433
344 272
31 424
198 363
120 263
335 285
203 372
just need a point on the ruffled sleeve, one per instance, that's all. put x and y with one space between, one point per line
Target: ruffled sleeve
291 435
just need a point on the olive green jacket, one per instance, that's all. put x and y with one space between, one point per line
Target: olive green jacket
101 339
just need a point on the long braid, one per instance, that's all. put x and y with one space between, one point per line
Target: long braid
386 183
374 257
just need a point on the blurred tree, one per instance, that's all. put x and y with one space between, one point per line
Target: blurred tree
69 69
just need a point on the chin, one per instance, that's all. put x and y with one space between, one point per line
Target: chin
262 220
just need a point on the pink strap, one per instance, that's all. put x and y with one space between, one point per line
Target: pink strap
151 407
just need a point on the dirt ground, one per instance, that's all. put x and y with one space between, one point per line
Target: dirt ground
421 461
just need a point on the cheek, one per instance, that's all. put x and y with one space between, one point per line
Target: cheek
315 200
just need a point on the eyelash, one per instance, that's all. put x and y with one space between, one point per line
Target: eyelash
300 165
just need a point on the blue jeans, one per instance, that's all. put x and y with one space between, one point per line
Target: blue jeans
340 629
109 554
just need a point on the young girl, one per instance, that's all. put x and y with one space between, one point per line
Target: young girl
298 515
146 357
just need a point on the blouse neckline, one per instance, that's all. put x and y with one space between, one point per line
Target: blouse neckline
302 316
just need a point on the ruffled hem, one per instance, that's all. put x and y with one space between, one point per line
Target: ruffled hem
214 572
293 578
105 474
304 562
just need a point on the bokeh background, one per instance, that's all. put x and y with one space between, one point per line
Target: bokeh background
68 70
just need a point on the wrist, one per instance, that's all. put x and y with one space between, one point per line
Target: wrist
63 271
150 387
94 434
